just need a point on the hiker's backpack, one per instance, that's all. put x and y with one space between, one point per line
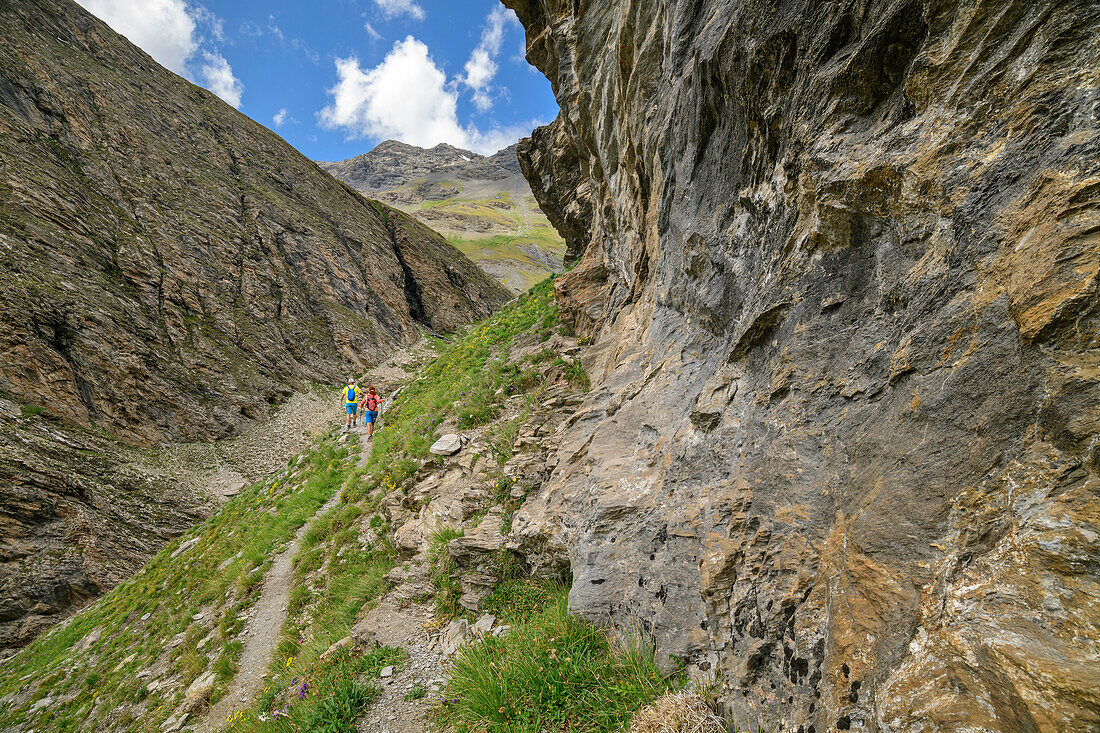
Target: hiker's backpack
350 394
372 402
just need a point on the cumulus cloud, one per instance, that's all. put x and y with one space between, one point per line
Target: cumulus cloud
406 97
280 117
481 67
162 28
172 33
394 8
218 77
207 19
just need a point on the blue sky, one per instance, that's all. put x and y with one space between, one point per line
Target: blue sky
336 77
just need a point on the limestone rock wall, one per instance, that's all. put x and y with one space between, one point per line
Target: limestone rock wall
840 267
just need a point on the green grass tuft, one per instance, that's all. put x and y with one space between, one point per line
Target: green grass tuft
553 671
518 599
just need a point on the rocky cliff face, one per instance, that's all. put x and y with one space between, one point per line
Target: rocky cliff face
840 268
169 269
80 513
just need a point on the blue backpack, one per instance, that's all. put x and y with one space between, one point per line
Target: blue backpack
350 397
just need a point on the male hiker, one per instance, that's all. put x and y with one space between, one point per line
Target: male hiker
350 401
371 403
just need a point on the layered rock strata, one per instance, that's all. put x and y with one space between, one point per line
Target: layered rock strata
840 270
169 270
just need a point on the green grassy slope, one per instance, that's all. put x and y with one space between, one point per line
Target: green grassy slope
507 235
482 204
125 662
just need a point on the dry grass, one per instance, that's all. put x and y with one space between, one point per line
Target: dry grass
677 712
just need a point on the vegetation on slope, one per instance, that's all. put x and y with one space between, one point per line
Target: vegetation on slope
177 617
508 237
553 671
126 662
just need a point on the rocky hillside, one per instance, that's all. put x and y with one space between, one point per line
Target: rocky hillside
482 204
269 615
393 164
169 270
839 264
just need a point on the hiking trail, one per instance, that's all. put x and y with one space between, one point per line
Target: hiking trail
268 616
405 698
265 623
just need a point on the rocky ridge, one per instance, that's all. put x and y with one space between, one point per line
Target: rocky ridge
169 271
839 263
392 164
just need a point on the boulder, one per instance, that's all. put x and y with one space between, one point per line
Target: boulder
448 445
484 624
476 585
454 636
198 692
389 625
484 539
409 537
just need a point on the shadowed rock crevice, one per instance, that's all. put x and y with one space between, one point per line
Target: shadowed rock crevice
413 297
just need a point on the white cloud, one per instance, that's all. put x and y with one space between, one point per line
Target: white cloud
480 70
213 23
219 78
275 31
162 28
172 33
280 117
375 35
481 67
407 97
394 8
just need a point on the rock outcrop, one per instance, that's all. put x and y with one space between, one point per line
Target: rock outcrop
169 269
840 269
392 164
79 513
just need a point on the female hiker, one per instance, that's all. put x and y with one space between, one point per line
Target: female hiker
371 403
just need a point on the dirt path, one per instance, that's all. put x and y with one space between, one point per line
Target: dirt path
419 678
220 469
261 633
267 616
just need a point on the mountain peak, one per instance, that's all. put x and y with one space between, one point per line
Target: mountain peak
392 163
